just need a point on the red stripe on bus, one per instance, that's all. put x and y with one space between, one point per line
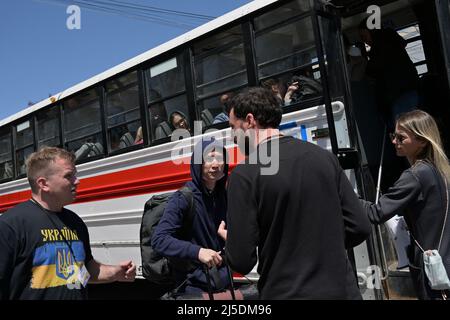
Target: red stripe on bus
10 200
158 177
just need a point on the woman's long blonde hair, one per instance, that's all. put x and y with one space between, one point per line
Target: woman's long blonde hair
423 126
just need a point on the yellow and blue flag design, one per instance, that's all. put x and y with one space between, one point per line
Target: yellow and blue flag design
55 264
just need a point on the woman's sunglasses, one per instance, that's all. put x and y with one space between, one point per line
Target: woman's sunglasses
396 136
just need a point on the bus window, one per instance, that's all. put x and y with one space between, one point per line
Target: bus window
333 59
48 124
216 109
24 145
166 78
219 65
175 111
6 165
82 125
122 109
281 14
166 93
287 59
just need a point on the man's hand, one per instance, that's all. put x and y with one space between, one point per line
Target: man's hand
127 271
209 257
104 273
222 231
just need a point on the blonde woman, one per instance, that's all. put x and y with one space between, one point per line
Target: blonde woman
421 194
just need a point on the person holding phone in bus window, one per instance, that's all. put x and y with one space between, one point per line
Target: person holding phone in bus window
420 195
44 248
302 87
292 87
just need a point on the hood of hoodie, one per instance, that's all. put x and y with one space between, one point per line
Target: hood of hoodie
169 120
203 148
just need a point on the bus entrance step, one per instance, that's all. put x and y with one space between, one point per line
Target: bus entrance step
400 286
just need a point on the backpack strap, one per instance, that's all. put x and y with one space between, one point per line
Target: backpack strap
437 175
188 220
208 282
187 223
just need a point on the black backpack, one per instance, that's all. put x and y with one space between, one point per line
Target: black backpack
155 267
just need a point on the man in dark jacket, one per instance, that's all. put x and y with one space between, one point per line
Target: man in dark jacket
209 170
300 219
396 78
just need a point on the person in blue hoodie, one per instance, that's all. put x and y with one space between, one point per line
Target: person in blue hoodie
209 174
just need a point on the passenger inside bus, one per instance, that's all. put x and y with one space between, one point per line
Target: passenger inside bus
357 62
224 115
158 120
368 121
277 88
178 120
6 171
395 75
158 116
301 87
395 88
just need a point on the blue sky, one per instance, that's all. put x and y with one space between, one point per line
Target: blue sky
39 55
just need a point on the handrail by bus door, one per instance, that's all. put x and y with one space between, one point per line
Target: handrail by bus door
324 81
384 267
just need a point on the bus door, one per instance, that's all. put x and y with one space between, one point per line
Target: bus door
343 136
375 259
443 15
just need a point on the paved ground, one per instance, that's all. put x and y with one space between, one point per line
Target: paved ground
138 290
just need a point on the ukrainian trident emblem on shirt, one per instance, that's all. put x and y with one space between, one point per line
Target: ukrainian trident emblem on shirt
64 263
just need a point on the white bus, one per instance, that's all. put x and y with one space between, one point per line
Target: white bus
119 122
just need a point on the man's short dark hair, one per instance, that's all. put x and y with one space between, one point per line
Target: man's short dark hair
261 103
